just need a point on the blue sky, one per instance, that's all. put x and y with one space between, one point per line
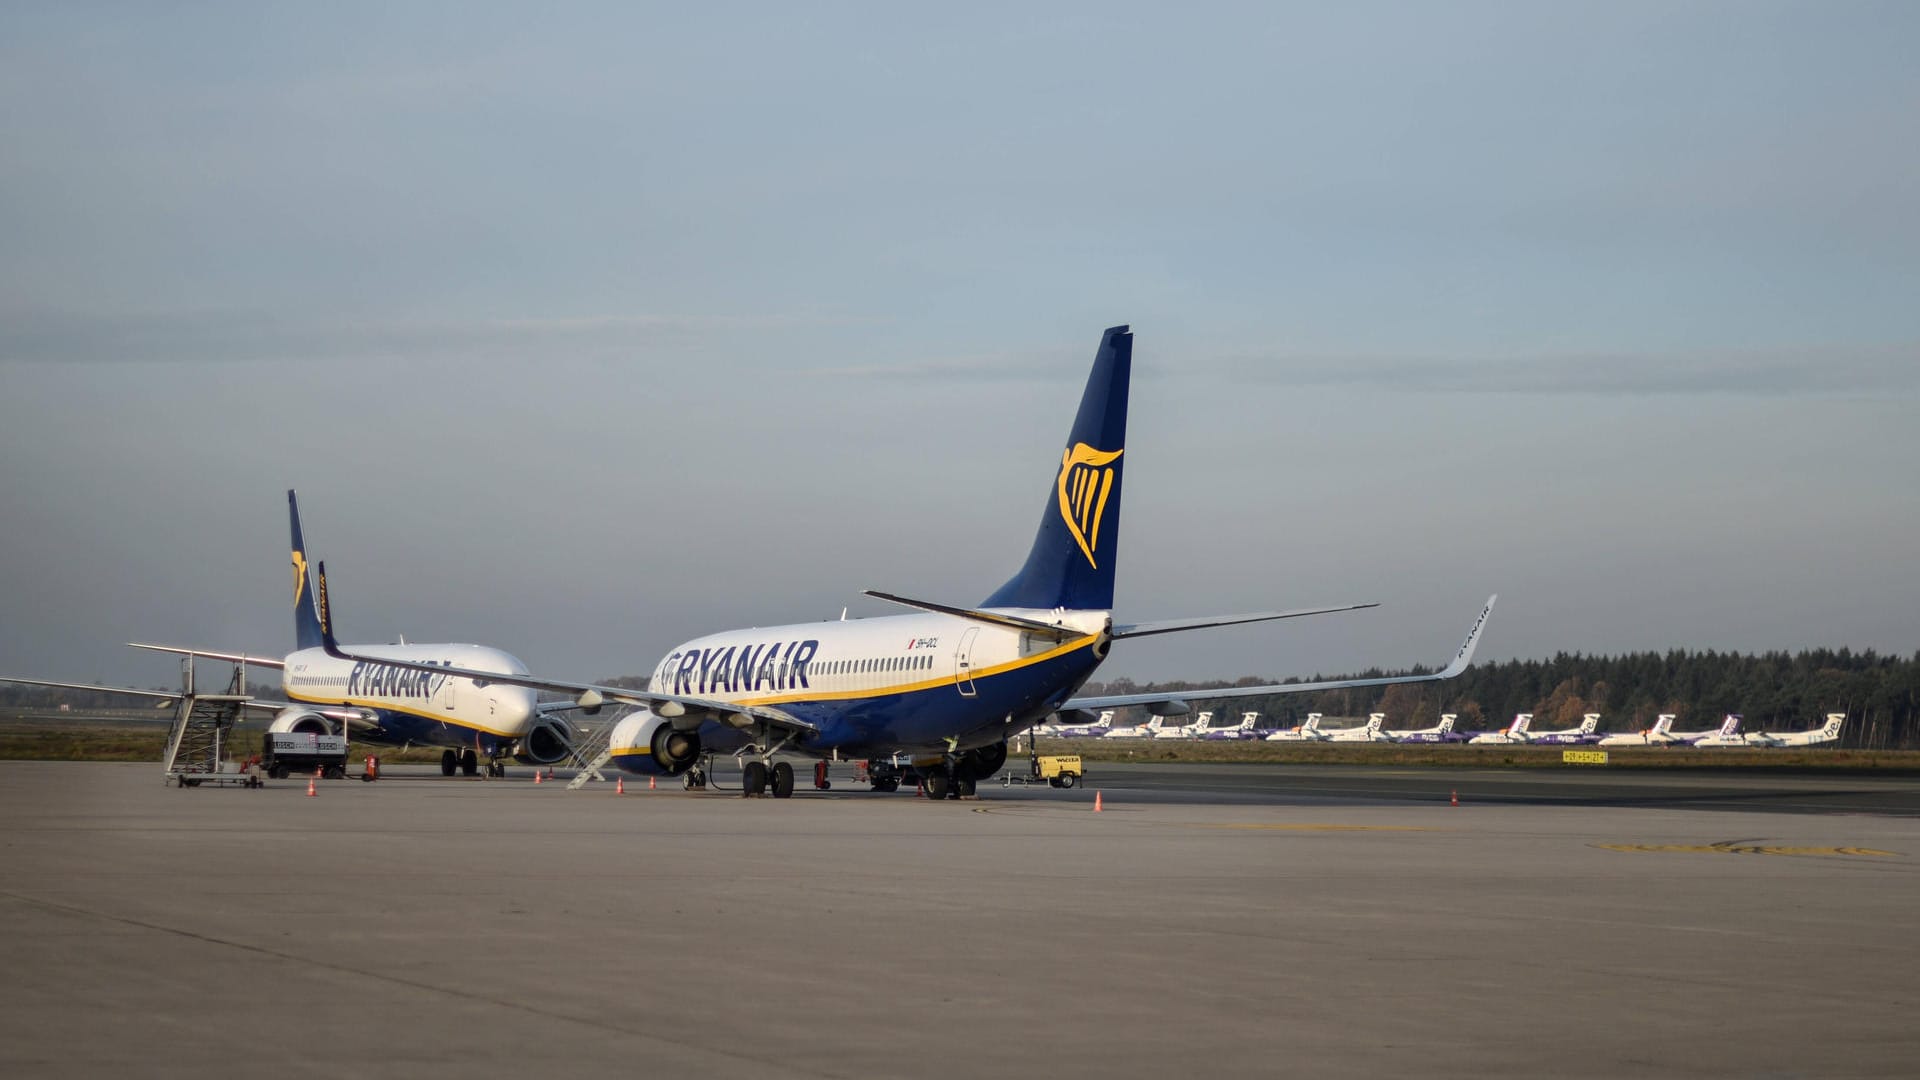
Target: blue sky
588 330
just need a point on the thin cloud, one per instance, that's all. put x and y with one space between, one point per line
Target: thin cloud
49 337
1840 370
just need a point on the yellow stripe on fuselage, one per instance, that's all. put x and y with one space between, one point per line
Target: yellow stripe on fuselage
925 684
366 703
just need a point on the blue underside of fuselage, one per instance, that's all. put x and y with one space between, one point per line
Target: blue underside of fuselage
918 720
403 729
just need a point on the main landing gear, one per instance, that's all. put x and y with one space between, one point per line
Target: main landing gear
756 778
467 763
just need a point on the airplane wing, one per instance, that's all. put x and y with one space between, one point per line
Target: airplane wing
1460 661
586 695
348 714
232 658
160 694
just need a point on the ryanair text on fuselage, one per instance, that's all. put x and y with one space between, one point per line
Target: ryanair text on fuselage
384 680
742 669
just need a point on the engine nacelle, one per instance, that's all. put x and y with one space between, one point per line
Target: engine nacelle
648 745
986 760
302 722
549 741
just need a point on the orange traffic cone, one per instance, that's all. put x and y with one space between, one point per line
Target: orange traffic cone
311 790
620 786
538 776
549 772
650 786
1096 802
1455 801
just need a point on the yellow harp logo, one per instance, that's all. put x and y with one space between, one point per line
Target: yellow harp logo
299 575
1085 482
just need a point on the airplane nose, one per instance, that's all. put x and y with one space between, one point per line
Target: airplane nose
516 707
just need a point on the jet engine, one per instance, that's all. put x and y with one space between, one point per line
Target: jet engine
647 744
298 721
549 741
986 760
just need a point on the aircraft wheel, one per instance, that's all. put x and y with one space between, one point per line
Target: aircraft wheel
937 785
448 762
963 787
753 779
689 782
469 762
782 780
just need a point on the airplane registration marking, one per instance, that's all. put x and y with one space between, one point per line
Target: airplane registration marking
1744 847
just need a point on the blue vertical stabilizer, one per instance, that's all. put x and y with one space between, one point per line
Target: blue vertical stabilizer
1072 561
306 624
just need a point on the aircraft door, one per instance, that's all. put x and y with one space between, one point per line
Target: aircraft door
963 662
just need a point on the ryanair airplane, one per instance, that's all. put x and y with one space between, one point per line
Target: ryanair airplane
944 686
396 695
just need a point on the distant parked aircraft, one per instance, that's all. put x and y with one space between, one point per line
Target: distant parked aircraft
1585 733
1514 734
1367 732
1308 731
1439 733
1657 735
1825 733
1244 730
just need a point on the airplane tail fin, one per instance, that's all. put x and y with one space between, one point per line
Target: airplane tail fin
1312 723
306 623
1663 724
1730 726
1374 722
1071 563
1589 723
1520 722
1446 723
1832 728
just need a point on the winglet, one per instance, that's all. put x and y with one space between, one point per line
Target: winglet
1465 655
325 612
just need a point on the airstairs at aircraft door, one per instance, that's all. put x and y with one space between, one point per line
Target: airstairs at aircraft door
595 745
201 724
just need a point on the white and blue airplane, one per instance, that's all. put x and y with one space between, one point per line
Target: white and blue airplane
1308 730
1587 732
1367 732
414 700
944 686
1825 733
1441 732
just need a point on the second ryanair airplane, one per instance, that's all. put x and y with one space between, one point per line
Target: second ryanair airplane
946 685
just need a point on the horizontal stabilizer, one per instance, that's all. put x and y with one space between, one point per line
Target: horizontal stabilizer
1031 626
1460 661
1172 626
